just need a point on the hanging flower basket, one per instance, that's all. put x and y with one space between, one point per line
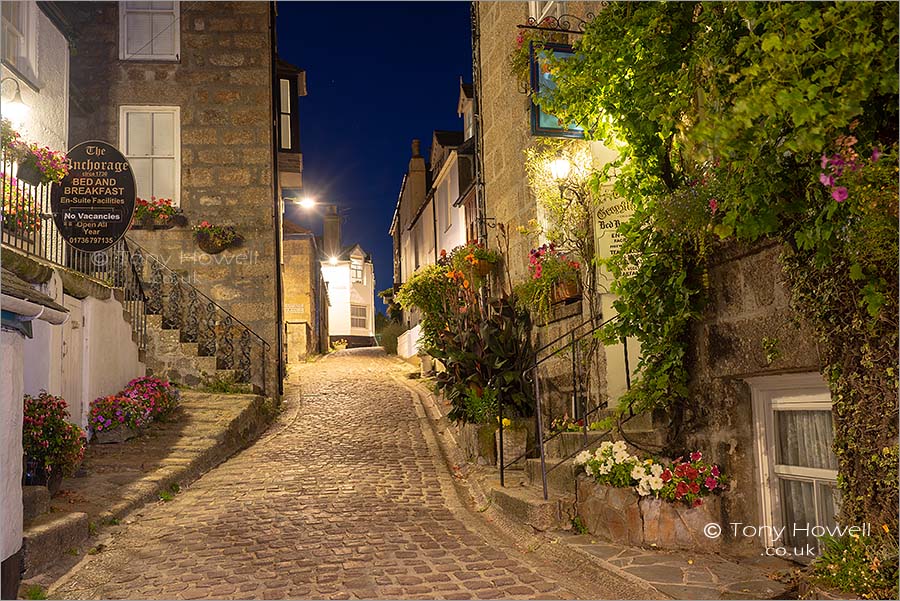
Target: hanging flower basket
213 239
483 267
30 174
566 290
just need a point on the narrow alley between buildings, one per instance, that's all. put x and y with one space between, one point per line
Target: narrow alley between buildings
346 496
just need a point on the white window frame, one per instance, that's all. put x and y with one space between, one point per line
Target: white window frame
285 144
357 265
365 317
176 112
797 392
28 32
123 34
541 9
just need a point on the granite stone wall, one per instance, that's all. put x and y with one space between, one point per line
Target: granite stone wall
222 84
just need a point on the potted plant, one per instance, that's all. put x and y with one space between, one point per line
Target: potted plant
160 396
213 239
156 212
117 418
20 213
519 60
52 446
40 165
477 257
339 345
554 278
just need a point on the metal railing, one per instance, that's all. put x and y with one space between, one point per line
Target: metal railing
148 286
569 341
203 321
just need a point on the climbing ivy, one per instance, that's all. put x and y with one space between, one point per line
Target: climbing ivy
744 121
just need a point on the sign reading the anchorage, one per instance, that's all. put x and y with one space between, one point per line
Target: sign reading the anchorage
93 205
613 213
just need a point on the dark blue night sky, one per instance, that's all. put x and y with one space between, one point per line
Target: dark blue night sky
378 75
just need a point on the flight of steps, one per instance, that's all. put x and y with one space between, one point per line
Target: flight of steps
166 356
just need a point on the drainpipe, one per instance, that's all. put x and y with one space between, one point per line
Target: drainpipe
480 211
434 228
276 209
29 311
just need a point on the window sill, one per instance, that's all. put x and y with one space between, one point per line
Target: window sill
31 83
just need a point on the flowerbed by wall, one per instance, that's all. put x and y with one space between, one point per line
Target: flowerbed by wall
120 416
686 481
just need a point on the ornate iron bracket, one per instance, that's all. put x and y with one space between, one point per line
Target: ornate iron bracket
192 322
244 360
569 24
226 361
208 339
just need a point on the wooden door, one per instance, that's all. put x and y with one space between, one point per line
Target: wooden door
73 360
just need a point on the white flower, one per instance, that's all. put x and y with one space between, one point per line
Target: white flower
656 469
643 488
638 472
604 468
583 457
621 456
619 446
589 469
655 482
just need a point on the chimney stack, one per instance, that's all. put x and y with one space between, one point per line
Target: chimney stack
332 233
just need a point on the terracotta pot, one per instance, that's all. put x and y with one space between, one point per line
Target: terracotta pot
563 291
114 435
30 173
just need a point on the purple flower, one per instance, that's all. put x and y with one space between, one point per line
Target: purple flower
824 161
827 180
839 194
876 154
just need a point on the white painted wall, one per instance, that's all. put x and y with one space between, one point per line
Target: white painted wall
342 293
408 342
48 119
109 357
11 411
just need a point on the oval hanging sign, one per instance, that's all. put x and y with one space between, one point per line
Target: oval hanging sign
93 205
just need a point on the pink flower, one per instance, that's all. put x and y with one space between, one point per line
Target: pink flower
715 471
713 205
876 154
696 456
839 194
711 483
827 180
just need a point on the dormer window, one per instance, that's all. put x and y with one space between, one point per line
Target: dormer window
356 271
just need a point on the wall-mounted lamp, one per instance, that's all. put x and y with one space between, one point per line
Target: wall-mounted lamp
307 202
560 168
15 110
333 260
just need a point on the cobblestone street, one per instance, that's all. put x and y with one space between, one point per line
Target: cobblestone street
346 496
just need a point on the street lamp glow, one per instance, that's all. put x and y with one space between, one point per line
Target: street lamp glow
307 202
333 260
559 169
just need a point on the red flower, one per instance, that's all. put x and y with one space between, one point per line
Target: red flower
711 483
681 489
666 476
696 456
697 503
695 488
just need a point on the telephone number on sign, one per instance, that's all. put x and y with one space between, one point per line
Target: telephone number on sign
91 240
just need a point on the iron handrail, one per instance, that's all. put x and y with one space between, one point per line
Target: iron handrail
219 307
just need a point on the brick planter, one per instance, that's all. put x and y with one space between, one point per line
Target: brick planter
620 515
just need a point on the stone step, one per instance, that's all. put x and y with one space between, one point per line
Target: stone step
567 443
48 534
526 505
35 502
190 349
154 322
560 480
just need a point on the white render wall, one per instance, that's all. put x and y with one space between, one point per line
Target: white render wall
342 293
109 356
48 119
11 411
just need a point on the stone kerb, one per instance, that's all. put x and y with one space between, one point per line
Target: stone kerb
619 515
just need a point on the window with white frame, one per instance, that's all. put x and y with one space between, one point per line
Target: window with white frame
797 466
540 10
356 270
19 22
151 139
358 315
149 30
288 132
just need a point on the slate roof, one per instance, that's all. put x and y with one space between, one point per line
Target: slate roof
14 286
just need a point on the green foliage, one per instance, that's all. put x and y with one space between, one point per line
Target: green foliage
750 120
35 591
221 384
578 525
548 269
389 336
394 310
484 345
861 564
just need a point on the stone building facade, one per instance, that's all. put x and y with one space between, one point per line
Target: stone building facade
207 79
305 295
759 406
